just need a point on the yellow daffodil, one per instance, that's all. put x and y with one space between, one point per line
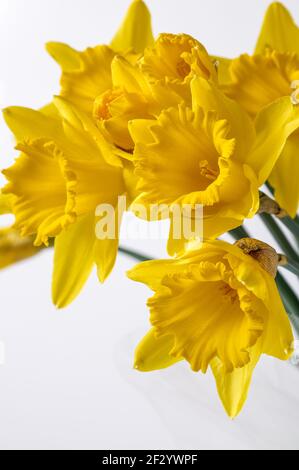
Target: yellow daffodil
65 170
175 58
214 306
128 99
210 154
84 74
161 78
87 74
271 73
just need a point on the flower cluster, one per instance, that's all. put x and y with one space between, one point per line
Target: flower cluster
165 124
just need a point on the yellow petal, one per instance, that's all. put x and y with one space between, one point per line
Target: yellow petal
50 110
105 257
259 80
85 77
249 273
274 124
27 124
207 96
151 272
128 77
114 109
67 57
140 130
233 387
179 240
73 260
14 248
130 181
154 353
222 67
82 131
285 175
157 95
279 337
106 246
279 30
136 30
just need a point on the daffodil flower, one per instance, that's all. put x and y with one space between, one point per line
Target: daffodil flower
87 80
159 79
65 170
260 79
211 154
87 74
218 307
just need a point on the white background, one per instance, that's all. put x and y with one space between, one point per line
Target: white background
67 381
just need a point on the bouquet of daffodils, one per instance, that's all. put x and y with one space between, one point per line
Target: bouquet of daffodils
159 127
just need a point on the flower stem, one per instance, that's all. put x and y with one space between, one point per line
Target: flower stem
290 300
134 254
291 223
293 226
279 236
289 264
239 232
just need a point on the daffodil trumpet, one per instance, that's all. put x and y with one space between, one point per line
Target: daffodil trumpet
216 306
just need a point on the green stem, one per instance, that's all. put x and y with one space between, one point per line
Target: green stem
292 266
279 236
239 232
293 226
290 300
134 254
